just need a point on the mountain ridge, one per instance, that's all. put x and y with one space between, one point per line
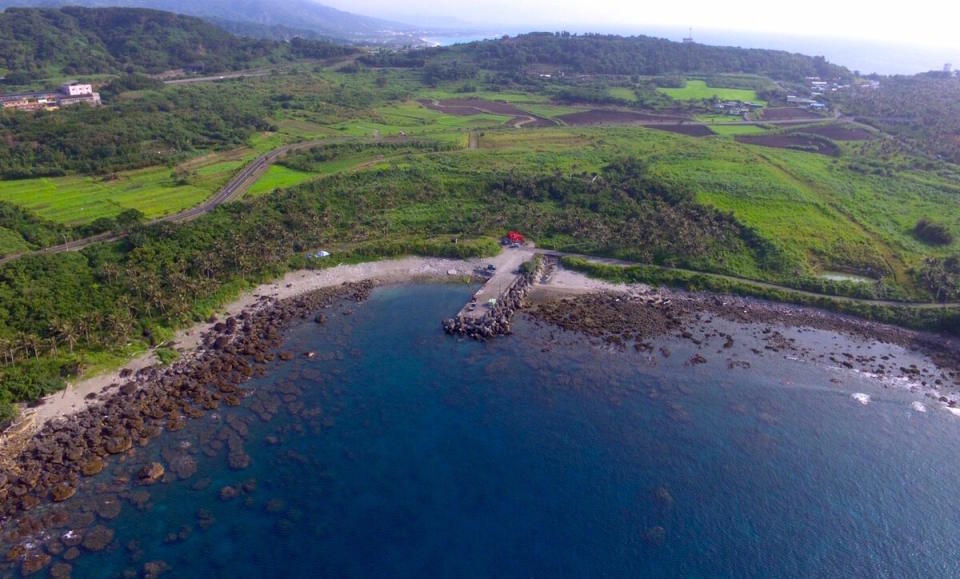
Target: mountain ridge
261 17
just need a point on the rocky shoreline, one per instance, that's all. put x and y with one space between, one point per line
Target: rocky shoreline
634 321
64 452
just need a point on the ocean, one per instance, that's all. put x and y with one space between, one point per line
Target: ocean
396 451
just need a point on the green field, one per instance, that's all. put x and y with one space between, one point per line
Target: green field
622 93
698 90
154 191
278 177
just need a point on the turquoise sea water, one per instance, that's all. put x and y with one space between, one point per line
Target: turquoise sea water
400 452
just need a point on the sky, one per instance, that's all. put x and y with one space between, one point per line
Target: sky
919 22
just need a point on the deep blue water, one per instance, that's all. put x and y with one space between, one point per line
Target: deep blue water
411 454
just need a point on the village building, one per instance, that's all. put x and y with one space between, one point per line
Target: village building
67 95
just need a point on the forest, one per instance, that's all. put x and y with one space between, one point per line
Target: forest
922 110
72 40
608 54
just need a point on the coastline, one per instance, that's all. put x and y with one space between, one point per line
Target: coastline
102 421
84 393
562 284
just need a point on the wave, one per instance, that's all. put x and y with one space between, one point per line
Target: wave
861 398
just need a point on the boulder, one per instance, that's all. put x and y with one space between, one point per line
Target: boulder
150 474
93 466
34 562
62 492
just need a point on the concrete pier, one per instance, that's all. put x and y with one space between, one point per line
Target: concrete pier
504 278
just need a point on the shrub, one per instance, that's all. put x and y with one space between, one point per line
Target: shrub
933 233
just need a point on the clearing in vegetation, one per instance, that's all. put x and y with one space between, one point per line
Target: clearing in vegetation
697 90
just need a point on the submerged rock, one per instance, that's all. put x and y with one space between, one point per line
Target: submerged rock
97 538
34 563
655 536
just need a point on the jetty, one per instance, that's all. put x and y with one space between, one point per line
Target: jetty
492 307
503 279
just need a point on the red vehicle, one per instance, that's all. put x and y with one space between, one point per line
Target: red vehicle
514 237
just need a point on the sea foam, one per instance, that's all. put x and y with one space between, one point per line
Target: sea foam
861 398
918 406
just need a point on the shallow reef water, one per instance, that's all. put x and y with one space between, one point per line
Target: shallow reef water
395 451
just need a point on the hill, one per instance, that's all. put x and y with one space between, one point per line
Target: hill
76 40
635 55
263 18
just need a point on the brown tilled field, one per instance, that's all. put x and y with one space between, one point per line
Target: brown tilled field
611 116
787 141
838 133
787 114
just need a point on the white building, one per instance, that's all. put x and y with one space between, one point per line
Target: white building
77 89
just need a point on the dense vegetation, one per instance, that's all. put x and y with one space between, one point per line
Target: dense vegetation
637 55
626 213
922 111
156 127
932 233
941 276
72 41
33 230
263 18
